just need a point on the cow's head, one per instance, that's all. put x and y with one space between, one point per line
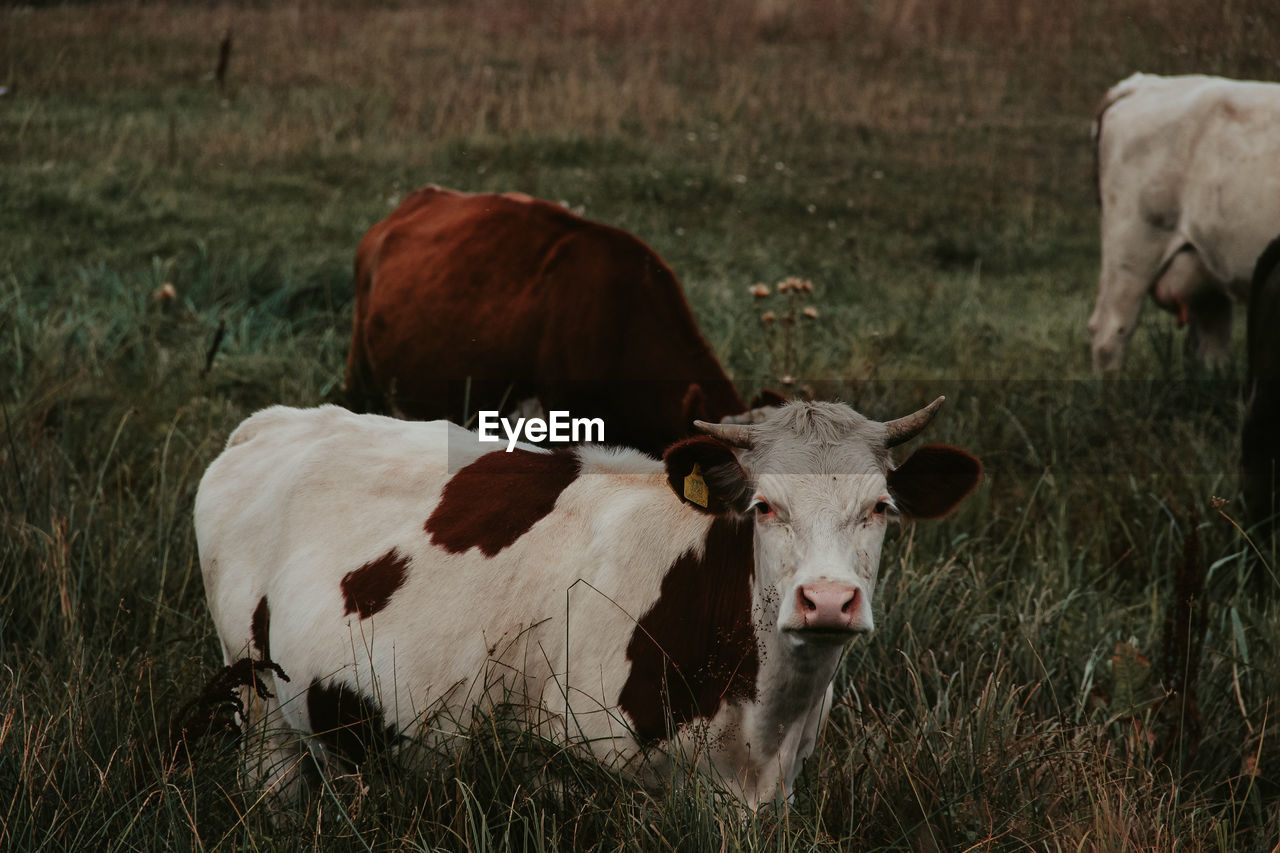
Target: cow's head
1111 326
817 482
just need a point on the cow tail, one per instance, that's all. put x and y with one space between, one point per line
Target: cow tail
358 386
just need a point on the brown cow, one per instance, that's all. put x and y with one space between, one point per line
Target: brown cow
470 302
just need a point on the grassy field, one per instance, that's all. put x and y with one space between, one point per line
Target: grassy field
1037 679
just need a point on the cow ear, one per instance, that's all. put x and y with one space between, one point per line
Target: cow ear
693 407
768 398
934 480
705 473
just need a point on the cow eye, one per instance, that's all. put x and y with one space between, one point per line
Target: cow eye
881 507
763 510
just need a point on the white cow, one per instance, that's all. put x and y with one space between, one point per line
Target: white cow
1189 183
400 573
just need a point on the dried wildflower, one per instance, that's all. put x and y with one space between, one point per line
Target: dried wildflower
165 294
794 283
783 331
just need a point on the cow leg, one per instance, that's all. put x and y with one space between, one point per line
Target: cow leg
1115 315
275 754
1210 334
1186 288
1132 250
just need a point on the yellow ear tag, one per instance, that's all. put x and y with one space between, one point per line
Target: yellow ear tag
695 488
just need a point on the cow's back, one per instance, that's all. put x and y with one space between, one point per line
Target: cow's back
441 262
415 569
1196 157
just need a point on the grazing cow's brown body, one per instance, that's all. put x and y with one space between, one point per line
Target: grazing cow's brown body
1260 435
470 302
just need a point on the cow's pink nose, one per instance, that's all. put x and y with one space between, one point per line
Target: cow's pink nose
830 606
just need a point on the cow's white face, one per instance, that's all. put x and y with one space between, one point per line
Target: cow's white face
817 482
817 545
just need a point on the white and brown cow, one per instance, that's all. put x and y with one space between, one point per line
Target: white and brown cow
1189 184
394 570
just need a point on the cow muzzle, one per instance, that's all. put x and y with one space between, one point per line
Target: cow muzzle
1107 355
829 610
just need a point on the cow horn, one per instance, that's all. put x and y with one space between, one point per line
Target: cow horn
735 435
907 428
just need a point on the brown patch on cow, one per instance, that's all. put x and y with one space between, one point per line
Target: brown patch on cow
696 648
348 722
261 628
368 589
934 480
494 501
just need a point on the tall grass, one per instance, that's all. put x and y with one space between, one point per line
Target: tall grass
926 165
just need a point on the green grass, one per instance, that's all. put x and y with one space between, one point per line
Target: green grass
926 166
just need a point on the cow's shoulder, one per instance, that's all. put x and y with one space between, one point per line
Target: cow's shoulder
696 649
495 498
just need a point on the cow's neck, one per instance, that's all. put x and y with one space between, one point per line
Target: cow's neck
708 652
695 649
791 695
